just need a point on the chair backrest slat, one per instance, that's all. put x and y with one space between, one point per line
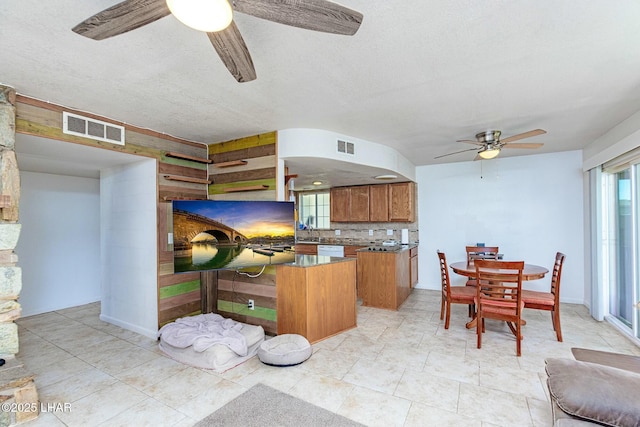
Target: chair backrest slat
556 274
481 252
444 273
500 280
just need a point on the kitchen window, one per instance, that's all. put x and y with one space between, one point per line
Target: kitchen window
314 211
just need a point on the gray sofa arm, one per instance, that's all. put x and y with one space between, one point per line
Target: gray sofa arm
593 393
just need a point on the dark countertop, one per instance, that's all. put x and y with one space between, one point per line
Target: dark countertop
337 242
314 260
344 242
401 249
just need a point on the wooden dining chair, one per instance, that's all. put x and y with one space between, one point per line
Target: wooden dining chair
452 294
549 301
480 252
499 296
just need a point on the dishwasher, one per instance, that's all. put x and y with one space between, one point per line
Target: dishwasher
331 250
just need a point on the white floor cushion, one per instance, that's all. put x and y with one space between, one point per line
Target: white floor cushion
285 350
218 357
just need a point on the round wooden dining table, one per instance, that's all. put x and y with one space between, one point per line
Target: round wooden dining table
468 269
530 271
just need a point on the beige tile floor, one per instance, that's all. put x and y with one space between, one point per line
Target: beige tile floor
395 369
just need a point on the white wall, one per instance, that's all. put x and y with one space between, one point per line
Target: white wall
129 247
529 206
301 142
58 249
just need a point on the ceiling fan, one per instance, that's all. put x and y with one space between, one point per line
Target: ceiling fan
317 15
491 144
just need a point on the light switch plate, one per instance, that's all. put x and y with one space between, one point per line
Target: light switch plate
370 232
170 239
337 232
389 232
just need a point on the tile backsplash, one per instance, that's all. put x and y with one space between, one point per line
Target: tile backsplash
359 232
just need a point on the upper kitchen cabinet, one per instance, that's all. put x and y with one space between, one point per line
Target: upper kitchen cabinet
402 202
339 202
359 204
374 203
350 204
379 203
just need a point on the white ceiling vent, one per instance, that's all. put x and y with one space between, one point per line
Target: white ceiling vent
346 147
74 124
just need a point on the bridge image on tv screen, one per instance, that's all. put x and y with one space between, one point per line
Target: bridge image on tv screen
221 234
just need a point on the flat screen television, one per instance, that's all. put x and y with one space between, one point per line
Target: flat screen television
225 234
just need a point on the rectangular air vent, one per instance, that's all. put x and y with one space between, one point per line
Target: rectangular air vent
346 147
74 124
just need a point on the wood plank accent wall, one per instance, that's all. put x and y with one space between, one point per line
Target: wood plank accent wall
260 153
234 289
178 294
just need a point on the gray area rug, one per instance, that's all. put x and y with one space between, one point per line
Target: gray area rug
263 406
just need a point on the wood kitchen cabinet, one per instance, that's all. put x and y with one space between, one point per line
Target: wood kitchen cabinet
340 198
350 204
306 249
402 202
374 203
312 249
379 203
413 266
350 250
359 204
316 298
383 278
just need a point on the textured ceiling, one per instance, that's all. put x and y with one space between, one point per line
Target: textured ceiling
417 76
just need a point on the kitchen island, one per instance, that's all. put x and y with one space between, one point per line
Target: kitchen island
316 296
385 275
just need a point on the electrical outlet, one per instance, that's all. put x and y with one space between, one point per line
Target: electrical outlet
250 305
337 232
370 232
389 232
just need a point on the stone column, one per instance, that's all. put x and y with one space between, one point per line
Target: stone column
17 389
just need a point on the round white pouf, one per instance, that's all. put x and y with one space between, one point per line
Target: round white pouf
285 350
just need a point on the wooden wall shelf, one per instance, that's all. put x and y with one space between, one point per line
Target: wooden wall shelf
188 179
187 157
230 163
248 188
288 178
171 198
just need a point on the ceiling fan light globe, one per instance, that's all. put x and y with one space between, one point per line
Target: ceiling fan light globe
489 153
202 15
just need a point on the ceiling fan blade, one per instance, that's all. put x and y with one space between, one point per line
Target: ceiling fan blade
316 15
523 136
457 152
234 53
523 145
471 141
123 17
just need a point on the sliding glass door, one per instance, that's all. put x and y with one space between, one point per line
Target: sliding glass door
624 288
621 290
